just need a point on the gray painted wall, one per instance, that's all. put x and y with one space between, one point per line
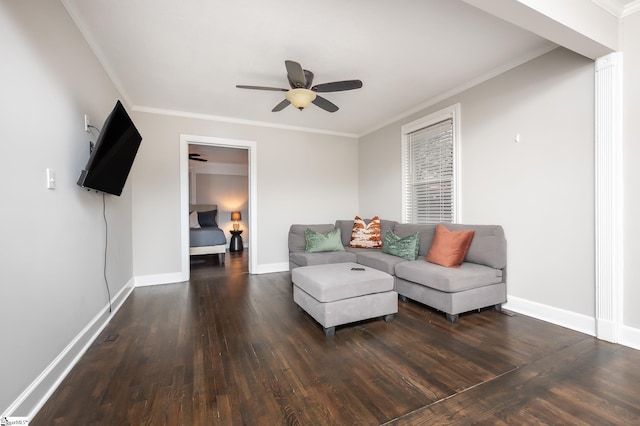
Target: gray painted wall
540 190
51 274
301 177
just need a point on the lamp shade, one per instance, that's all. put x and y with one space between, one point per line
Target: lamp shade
236 216
300 98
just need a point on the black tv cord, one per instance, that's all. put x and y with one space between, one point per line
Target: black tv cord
106 245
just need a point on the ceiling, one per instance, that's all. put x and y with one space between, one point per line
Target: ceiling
186 57
218 155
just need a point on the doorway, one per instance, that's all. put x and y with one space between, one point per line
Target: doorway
200 144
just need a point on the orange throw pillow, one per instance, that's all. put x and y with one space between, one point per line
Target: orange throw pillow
449 247
366 236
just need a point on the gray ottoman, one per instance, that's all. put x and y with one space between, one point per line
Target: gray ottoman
335 294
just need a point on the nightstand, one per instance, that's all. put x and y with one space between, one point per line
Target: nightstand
235 244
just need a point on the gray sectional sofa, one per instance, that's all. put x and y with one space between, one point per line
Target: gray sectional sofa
480 281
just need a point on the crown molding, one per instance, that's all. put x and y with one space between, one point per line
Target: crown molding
617 8
207 117
631 8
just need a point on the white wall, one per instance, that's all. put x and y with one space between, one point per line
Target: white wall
301 178
52 241
631 49
540 190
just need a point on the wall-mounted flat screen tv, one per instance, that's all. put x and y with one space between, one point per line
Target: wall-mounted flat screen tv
113 154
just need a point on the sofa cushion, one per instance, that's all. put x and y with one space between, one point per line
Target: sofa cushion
365 235
449 280
488 247
302 258
377 259
320 242
406 247
449 247
297 239
426 232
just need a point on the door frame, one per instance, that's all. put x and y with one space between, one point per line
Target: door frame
250 146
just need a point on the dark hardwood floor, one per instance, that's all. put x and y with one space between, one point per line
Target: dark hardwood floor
231 348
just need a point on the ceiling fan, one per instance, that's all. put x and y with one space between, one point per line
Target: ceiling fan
196 157
301 93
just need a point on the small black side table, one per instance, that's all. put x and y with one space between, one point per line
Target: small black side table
236 242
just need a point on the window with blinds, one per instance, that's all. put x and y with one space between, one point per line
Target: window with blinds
430 173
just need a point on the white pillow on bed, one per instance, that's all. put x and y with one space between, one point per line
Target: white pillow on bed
193 220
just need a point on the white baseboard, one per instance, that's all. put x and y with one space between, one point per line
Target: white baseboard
574 321
270 268
178 277
606 330
630 337
38 392
145 280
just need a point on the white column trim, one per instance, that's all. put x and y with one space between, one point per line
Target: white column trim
609 197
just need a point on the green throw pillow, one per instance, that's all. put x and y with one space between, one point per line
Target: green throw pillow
317 242
406 248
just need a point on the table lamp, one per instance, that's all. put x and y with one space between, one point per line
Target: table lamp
235 217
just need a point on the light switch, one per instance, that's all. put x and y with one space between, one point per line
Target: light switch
51 179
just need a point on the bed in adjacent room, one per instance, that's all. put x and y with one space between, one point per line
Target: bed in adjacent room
204 235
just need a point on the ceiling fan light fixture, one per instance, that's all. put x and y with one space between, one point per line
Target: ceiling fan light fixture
300 98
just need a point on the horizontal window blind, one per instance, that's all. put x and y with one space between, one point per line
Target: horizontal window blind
429 176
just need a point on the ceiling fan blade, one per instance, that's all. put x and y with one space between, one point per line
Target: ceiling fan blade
282 105
337 86
194 154
275 89
197 159
295 74
325 104
308 76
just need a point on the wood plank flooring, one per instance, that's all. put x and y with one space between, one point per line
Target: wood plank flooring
231 348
